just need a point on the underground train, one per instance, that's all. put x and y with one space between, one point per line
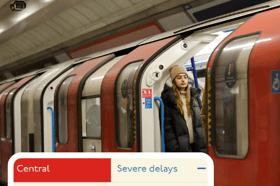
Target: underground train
105 102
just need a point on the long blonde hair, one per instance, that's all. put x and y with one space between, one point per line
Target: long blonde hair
178 99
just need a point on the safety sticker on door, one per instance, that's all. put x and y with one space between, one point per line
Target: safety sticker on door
146 93
148 103
275 81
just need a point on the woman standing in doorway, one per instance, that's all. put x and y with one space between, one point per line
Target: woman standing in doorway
182 123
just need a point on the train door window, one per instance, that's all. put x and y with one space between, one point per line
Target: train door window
8 113
62 111
92 119
231 98
124 107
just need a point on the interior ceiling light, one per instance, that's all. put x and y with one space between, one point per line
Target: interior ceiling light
24 15
46 1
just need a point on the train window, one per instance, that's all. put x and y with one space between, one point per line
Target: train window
124 107
8 113
62 111
231 98
92 119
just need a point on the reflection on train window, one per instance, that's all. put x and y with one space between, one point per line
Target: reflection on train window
62 111
231 98
124 123
8 113
91 118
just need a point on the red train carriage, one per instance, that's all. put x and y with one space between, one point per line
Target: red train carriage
105 102
244 104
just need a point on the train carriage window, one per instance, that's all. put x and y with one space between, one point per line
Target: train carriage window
124 103
231 98
8 113
92 119
62 111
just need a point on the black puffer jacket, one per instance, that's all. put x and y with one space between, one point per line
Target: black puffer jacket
176 132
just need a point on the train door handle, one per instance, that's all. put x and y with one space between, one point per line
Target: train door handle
53 129
162 122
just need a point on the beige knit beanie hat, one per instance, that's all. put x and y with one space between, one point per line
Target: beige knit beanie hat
175 70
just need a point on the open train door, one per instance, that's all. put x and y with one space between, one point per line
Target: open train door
243 100
153 79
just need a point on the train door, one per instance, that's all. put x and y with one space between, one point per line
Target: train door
199 45
120 130
7 127
91 108
243 104
31 119
44 105
48 112
153 80
68 110
17 117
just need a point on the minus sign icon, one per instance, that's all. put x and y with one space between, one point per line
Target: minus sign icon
201 167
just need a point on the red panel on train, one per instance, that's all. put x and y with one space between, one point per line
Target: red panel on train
2 87
261 165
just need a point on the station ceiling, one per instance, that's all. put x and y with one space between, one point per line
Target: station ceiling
44 24
48 27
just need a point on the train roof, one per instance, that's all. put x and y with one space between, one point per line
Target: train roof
25 75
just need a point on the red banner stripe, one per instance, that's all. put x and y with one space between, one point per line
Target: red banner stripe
62 170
